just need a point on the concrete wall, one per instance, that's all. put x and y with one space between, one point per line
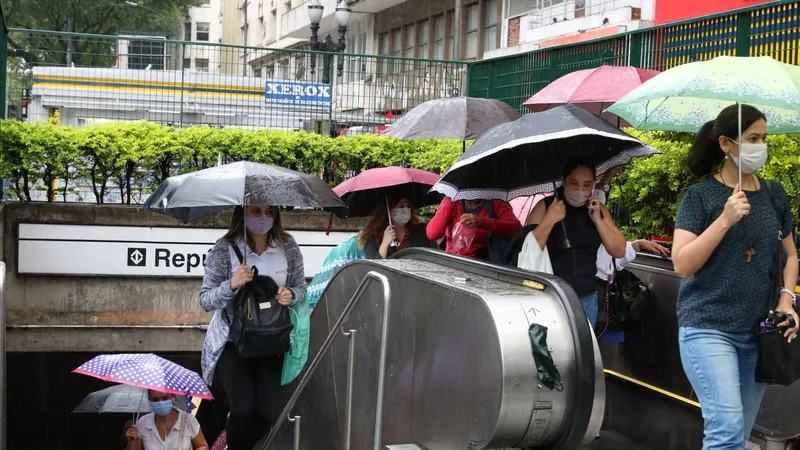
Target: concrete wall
94 314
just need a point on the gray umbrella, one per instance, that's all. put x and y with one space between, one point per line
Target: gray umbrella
121 398
194 195
464 118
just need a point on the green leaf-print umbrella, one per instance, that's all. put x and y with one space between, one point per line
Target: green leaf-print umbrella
687 96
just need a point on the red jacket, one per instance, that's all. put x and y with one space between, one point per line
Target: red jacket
449 214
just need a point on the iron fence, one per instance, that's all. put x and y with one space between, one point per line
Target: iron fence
772 31
89 79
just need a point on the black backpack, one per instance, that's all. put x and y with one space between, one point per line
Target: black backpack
261 327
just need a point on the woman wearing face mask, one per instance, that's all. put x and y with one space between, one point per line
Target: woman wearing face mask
166 428
252 385
724 249
588 225
406 229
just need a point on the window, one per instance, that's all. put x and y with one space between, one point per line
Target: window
383 49
490 25
203 32
356 65
257 72
438 37
187 63
397 45
411 44
283 66
142 54
187 31
423 39
451 42
206 2
519 7
471 43
201 65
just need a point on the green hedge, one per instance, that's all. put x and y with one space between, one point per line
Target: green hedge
648 192
137 157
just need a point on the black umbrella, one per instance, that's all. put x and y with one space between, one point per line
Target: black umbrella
525 157
463 118
194 195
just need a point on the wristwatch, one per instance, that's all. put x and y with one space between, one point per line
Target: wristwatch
791 293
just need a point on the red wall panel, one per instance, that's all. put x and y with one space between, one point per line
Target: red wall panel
672 10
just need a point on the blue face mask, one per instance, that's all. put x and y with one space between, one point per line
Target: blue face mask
161 408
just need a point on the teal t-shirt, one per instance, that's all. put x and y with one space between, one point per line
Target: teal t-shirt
728 293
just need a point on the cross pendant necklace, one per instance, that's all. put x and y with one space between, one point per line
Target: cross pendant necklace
751 251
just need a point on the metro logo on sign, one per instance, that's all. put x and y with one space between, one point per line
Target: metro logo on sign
137 257
298 94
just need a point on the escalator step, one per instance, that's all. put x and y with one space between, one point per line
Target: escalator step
611 440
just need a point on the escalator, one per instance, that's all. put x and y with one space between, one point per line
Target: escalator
431 351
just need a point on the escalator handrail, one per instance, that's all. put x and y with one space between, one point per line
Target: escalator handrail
371 276
582 336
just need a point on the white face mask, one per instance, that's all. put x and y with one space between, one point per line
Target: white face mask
753 157
576 198
401 216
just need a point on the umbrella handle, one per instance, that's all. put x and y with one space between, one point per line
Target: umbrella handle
567 244
389 214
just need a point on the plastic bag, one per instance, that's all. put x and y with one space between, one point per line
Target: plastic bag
533 257
461 239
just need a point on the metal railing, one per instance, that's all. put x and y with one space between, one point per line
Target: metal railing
772 30
100 78
336 331
3 60
3 392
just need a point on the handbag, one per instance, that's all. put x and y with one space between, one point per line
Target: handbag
626 296
778 361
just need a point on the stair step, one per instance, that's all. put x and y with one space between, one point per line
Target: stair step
404 447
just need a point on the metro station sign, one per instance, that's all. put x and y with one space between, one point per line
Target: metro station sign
122 251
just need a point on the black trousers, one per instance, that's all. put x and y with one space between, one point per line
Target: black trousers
253 388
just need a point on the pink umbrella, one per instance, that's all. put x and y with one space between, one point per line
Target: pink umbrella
593 89
365 191
523 206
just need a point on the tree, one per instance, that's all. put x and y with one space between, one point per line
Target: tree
104 17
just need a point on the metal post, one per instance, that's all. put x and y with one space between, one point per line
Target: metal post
183 78
297 431
458 31
3 355
351 372
387 298
69 42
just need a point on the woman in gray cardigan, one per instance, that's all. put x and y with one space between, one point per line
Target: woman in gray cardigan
251 385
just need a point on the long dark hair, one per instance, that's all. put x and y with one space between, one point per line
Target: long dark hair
380 221
573 164
276 236
706 154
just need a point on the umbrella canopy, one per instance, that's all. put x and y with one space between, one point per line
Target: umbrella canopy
525 157
522 206
148 371
591 89
463 118
367 190
121 398
687 96
194 195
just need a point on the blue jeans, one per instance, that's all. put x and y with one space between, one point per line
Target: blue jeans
590 306
722 370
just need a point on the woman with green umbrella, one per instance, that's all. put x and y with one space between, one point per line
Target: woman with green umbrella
724 249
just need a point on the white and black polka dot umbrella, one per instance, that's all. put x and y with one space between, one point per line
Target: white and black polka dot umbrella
148 371
525 157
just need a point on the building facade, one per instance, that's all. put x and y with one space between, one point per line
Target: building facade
202 27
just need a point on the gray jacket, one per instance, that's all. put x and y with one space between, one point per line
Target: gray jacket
216 295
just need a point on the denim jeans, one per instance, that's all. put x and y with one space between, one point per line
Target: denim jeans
590 306
722 370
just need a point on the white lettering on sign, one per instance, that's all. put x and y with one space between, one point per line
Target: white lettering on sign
298 94
92 250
